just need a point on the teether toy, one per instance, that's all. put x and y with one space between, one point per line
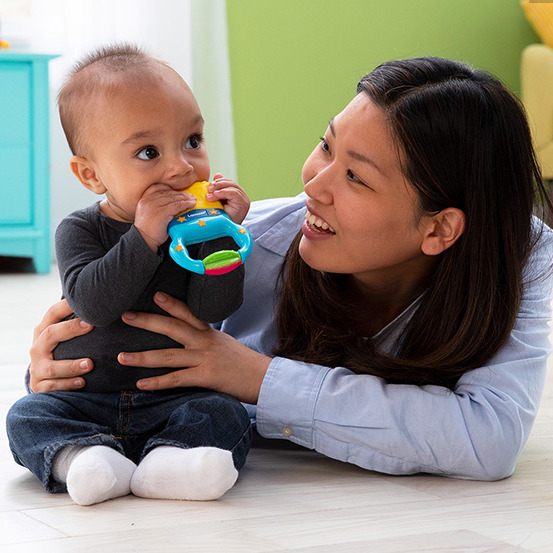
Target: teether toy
207 221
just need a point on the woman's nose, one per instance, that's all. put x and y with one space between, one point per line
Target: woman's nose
318 184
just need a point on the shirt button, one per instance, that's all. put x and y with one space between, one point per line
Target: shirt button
286 431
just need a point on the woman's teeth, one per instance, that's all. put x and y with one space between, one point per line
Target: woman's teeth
318 223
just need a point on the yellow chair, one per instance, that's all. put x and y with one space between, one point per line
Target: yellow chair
537 82
536 79
537 96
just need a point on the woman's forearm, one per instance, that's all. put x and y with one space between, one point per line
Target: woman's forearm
476 432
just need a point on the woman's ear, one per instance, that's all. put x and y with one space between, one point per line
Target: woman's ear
84 170
443 231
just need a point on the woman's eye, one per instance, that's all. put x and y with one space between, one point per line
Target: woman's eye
324 144
147 153
194 142
353 177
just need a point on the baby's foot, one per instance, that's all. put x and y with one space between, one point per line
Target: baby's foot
199 474
96 473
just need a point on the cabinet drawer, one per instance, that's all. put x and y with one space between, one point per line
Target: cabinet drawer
24 151
15 185
15 108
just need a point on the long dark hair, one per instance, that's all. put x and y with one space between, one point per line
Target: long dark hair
466 144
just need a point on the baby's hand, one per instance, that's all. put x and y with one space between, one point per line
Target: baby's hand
234 199
155 210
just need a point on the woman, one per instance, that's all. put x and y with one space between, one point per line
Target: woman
405 328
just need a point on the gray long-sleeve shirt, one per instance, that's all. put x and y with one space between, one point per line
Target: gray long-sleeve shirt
107 268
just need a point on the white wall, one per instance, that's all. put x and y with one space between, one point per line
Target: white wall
178 31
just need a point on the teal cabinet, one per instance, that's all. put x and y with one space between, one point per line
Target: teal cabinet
25 157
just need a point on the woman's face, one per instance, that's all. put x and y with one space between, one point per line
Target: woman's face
363 216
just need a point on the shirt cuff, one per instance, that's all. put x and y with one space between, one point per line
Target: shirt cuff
138 242
288 399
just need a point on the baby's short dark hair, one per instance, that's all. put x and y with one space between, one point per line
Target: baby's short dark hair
90 78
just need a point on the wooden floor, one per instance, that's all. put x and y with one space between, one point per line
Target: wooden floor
285 499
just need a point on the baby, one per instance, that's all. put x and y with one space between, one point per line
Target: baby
136 133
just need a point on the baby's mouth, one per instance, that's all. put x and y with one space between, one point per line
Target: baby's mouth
318 224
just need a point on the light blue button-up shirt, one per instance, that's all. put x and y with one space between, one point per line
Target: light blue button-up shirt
476 432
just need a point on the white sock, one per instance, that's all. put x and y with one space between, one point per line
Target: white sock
63 459
93 473
199 473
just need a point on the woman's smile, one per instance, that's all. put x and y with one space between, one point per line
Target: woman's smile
315 228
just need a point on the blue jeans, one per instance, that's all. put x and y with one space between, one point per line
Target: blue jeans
133 423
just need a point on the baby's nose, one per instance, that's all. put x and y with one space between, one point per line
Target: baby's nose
178 167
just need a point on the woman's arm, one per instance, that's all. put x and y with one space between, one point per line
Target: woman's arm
476 432
45 374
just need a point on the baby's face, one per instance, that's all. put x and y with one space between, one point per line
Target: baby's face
145 135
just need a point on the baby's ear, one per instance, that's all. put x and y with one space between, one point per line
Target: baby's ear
84 170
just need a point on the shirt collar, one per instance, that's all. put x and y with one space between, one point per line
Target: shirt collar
275 229
387 339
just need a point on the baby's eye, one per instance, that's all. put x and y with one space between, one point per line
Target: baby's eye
194 142
147 153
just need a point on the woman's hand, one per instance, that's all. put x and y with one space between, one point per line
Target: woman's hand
47 375
212 359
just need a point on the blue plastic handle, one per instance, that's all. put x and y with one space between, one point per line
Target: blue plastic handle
202 225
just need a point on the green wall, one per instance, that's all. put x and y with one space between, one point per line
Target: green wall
295 64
